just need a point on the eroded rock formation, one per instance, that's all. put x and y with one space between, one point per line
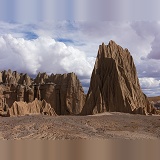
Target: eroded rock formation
114 84
36 107
63 92
155 101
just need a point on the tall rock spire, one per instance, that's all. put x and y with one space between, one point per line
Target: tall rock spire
114 83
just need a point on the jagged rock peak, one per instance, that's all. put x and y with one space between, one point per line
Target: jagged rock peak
111 50
111 42
114 84
9 77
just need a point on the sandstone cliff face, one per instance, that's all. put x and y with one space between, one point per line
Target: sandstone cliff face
114 84
63 92
35 107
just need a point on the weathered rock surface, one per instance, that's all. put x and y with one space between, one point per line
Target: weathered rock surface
114 85
13 78
35 107
63 92
156 102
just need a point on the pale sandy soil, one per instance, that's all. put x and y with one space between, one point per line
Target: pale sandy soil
101 126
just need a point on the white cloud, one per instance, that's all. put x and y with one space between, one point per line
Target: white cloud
155 52
147 83
43 54
150 86
141 38
87 36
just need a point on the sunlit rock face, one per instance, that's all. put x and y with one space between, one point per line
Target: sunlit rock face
114 84
33 108
63 92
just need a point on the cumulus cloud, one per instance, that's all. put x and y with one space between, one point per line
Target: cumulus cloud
149 30
147 83
77 52
43 54
149 68
155 45
150 86
146 29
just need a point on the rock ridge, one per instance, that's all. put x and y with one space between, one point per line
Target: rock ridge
63 92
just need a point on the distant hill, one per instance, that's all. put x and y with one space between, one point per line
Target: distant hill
155 101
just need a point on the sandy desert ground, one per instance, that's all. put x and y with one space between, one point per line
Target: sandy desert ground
101 126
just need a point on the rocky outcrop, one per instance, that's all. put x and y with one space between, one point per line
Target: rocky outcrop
63 92
35 107
155 101
114 85
14 78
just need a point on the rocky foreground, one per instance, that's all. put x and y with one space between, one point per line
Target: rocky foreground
100 126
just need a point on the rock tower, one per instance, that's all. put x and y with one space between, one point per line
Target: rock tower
114 84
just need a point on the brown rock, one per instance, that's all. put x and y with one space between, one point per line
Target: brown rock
1 81
29 94
63 92
9 77
41 78
35 107
114 85
20 93
155 101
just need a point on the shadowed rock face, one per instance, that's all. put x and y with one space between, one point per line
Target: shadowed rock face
114 84
63 92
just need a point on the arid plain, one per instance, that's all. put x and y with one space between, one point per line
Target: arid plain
100 126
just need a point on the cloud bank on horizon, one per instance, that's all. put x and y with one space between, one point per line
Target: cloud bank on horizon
36 37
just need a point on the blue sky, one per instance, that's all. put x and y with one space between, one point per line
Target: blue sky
63 36
28 11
